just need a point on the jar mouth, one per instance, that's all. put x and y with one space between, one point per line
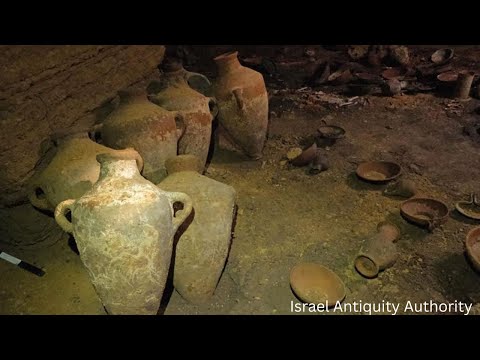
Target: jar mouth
226 56
125 154
171 65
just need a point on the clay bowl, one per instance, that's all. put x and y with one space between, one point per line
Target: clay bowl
425 212
316 284
393 73
442 56
378 171
470 208
472 245
340 77
331 132
448 77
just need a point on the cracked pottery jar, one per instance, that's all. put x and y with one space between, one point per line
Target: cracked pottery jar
242 106
205 237
197 109
124 228
148 128
379 252
71 173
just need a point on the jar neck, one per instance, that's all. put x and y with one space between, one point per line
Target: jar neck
130 96
118 168
227 63
175 78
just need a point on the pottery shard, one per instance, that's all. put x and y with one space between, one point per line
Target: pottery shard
44 88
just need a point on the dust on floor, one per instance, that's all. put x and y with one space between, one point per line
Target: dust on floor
286 216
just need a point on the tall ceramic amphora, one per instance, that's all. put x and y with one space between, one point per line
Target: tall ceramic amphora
197 109
124 228
205 237
72 171
146 127
242 106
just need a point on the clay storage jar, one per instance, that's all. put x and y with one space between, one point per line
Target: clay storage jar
148 128
205 237
198 110
124 228
379 252
243 106
72 171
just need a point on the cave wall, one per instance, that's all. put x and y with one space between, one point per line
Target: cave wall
45 89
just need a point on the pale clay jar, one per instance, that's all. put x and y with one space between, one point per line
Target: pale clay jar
71 173
148 128
205 237
124 228
242 106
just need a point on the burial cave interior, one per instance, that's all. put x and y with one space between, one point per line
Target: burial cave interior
239 179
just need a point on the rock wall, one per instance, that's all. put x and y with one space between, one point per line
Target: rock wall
45 89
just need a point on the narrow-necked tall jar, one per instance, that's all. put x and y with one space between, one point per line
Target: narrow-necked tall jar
124 228
197 109
148 128
71 172
242 106
204 238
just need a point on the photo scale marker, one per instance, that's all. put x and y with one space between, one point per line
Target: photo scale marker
22 264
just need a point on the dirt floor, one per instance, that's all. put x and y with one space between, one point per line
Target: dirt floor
287 216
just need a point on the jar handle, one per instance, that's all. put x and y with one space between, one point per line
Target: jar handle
189 74
238 94
95 130
39 203
180 125
213 106
60 212
181 215
138 159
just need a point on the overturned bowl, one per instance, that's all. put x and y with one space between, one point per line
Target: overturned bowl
472 245
378 171
316 284
425 212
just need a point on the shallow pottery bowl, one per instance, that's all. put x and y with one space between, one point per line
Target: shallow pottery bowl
442 55
448 77
425 212
378 171
316 284
470 208
472 244
393 73
331 132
